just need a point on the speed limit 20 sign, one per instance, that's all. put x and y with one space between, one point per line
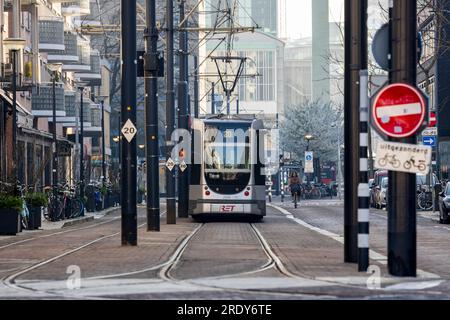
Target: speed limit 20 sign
129 130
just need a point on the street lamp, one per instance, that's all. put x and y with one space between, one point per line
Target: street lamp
81 87
103 97
54 68
14 45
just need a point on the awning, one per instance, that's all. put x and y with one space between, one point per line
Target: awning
8 99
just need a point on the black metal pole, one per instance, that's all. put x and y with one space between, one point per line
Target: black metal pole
55 148
170 115
82 144
355 60
213 98
196 89
402 249
183 177
103 144
14 117
151 116
128 112
363 188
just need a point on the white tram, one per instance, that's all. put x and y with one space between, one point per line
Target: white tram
227 177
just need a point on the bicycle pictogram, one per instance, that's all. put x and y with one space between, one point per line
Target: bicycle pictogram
389 159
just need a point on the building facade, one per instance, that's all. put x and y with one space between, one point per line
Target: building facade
260 89
52 39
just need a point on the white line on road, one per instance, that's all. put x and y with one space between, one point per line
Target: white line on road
373 255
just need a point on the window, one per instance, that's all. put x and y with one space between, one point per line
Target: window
227 157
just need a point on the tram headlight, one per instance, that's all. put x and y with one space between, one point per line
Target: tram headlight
207 193
246 193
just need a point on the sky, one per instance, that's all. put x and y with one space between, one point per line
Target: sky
299 16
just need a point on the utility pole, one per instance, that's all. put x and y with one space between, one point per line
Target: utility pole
213 98
151 117
196 89
103 144
128 113
355 60
55 148
82 144
183 177
402 250
170 114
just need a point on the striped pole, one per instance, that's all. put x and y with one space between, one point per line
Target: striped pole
363 187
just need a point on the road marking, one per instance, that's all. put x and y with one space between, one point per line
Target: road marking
373 254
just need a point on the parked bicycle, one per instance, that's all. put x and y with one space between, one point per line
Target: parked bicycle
424 199
19 190
311 192
65 205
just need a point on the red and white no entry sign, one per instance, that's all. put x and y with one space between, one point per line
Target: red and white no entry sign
433 120
399 110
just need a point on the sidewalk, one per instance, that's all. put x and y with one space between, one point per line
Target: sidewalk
88 216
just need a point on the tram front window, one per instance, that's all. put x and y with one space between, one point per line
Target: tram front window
227 157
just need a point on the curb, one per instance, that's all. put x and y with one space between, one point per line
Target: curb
77 221
89 218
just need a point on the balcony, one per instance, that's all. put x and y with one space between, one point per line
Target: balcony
51 35
94 77
83 63
70 52
96 119
75 8
72 107
42 100
93 18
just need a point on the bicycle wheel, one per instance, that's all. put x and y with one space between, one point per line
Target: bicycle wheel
55 210
76 208
315 194
424 202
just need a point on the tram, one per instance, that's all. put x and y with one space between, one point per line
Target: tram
227 176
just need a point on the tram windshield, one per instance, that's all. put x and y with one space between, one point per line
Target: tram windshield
227 153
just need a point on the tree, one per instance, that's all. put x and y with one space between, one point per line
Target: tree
323 121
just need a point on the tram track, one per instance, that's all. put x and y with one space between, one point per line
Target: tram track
165 273
9 281
58 233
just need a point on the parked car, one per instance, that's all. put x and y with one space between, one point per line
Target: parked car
381 195
444 205
375 187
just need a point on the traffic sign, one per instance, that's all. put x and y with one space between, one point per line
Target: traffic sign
409 158
309 162
398 111
170 164
183 166
430 132
429 141
433 119
129 130
380 47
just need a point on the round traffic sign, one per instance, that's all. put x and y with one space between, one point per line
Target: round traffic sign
399 110
433 119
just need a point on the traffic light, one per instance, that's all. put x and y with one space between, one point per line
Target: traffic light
181 154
